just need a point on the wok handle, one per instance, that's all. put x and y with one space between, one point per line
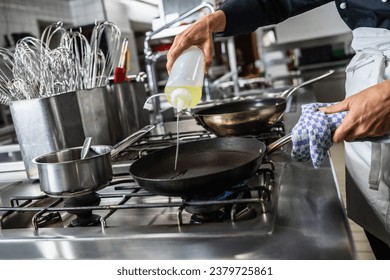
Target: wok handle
119 147
287 93
278 143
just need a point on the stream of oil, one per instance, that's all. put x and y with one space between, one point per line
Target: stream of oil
177 139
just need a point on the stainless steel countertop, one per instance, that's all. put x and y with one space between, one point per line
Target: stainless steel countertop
309 223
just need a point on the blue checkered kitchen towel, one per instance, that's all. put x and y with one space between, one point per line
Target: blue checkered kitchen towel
312 135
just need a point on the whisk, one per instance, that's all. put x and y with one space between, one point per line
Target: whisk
31 65
5 99
50 31
7 90
80 50
101 68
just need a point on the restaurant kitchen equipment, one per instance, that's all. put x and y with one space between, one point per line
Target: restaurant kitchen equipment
287 210
49 124
59 92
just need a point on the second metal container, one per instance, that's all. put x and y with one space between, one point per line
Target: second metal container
49 124
130 99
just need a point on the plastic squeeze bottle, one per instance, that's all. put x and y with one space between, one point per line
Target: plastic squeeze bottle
184 86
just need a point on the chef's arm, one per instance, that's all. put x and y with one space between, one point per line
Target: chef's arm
235 17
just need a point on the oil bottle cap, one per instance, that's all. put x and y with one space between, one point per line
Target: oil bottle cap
181 99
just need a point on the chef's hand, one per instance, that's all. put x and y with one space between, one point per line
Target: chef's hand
199 34
368 113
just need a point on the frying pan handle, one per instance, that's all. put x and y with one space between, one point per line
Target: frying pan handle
287 93
278 143
199 120
117 148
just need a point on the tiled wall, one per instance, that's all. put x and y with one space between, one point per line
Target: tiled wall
18 16
86 11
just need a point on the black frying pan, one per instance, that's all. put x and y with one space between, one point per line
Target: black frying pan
204 167
249 116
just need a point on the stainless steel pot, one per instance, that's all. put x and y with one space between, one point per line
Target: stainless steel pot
63 173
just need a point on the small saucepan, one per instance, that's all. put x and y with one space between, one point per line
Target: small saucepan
64 174
249 116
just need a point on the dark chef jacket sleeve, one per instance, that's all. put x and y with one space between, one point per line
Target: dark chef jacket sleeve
245 16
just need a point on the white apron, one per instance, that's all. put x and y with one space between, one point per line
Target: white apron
369 163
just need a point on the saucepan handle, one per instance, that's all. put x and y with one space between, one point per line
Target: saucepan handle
119 147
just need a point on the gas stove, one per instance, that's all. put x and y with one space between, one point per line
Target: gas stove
287 210
123 196
247 200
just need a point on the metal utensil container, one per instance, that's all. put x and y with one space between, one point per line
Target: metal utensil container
49 124
130 100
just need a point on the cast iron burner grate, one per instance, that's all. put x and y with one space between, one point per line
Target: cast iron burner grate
151 143
249 201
